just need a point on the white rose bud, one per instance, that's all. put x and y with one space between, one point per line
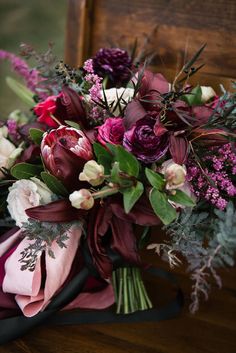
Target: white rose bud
207 93
25 194
175 174
93 173
82 199
113 94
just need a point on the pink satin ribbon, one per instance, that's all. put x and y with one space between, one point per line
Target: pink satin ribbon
31 295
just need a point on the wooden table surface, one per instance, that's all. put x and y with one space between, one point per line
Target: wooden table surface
211 330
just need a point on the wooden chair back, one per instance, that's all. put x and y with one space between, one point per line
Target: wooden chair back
181 28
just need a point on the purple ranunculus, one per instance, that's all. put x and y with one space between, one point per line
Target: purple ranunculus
112 131
142 141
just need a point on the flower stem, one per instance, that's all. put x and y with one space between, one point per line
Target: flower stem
130 292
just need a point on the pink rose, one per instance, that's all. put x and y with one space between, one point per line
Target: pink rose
112 131
44 110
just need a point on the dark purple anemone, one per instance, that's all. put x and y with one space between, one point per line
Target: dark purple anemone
143 143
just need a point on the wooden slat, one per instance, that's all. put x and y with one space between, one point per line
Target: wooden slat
180 25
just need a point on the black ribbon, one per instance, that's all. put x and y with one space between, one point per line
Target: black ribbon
15 327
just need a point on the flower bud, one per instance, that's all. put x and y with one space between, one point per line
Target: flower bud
175 174
82 199
93 173
207 93
3 131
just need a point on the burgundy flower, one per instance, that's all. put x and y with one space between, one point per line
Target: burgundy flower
65 151
69 106
152 86
142 141
114 63
112 131
104 231
65 106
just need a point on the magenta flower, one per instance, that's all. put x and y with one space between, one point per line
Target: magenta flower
144 143
112 131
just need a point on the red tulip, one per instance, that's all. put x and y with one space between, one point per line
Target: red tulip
65 151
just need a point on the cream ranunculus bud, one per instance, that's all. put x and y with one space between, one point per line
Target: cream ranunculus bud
8 153
207 93
25 194
82 199
3 131
175 174
93 173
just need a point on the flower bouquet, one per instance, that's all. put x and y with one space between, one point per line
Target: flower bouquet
103 150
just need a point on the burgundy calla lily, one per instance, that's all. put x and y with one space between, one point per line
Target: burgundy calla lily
69 106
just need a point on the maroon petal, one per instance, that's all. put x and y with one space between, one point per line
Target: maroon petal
159 129
67 166
153 82
98 224
178 147
202 114
69 106
57 211
29 155
133 112
141 214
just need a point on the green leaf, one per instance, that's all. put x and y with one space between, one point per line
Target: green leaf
36 135
54 184
155 179
162 207
73 124
194 97
182 198
21 91
115 178
145 237
25 170
127 162
131 196
112 148
104 157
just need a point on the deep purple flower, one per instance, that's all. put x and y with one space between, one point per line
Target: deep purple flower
114 63
143 143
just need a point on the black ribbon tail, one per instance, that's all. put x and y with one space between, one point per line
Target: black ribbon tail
15 327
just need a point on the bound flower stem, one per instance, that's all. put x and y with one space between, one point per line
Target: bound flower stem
130 292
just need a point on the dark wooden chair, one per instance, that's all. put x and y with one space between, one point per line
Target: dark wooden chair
181 28
181 25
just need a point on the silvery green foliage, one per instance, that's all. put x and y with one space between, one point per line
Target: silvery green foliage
207 241
225 113
41 236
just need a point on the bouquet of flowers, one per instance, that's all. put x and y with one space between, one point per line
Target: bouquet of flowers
105 152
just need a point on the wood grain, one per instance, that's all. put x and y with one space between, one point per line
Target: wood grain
182 26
